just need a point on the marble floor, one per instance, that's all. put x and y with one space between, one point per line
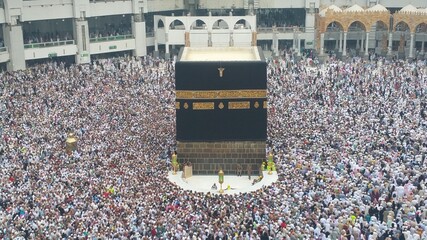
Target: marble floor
203 183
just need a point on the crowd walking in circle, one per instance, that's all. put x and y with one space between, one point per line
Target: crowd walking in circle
349 140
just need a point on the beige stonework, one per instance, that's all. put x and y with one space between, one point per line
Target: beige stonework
367 19
412 19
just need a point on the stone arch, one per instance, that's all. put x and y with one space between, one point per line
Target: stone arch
199 24
242 22
356 26
160 24
380 25
381 35
333 26
403 30
176 25
402 26
420 36
421 28
220 24
333 31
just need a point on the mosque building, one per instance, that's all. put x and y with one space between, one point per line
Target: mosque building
81 30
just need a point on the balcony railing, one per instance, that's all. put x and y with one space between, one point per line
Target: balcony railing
280 29
112 38
48 44
3 49
108 0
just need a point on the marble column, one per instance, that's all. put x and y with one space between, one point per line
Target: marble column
14 41
411 46
322 43
275 44
294 42
367 44
422 46
138 31
336 44
390 42
344 52
156 45
81 35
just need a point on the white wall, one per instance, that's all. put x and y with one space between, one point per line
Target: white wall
265 36
12 10
160 35
176 37
104 47
150 41
32 11
289 35
2 17
199 38
110 8
310 20
4 56
282 3
220 38
242 37
38 53
58 9
219 4
164 5
210 21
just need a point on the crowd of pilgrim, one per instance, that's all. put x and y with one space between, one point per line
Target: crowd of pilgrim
349 140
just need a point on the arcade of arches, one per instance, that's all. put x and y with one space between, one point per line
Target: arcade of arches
363 31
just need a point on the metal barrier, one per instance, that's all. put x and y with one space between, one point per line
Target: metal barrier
108 0
112 38
48 44
280 29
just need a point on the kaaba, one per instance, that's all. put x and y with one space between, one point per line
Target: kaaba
221 108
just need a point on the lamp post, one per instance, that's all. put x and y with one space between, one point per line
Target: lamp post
221 180
70 143
270 163
174 163
261 169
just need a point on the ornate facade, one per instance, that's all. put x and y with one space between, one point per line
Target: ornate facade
377 19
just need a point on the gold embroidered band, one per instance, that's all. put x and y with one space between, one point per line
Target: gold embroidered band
203 105
220 94
239 105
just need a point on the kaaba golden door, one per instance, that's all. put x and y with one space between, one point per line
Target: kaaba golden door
221 180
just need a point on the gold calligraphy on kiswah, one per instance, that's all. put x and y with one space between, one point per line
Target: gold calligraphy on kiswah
203 105
221 94
239 105
177 105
